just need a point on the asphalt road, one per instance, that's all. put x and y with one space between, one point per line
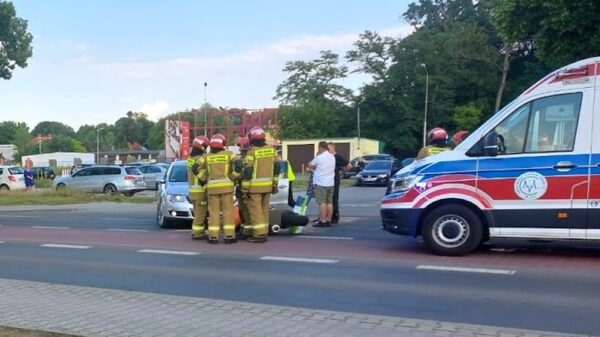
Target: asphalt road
352 267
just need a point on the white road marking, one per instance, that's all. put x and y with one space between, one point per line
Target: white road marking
126 230
181 230
298 259
49 227
124 219
324 237
51 245
168 252
18 216
468 270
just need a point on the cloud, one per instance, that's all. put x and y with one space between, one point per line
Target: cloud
155 110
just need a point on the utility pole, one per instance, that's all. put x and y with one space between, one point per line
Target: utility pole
426 97
98 145
40 142
358 121
205 111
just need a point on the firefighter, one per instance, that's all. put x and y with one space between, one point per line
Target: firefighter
437 140
260 179
221 169
197 190
245 229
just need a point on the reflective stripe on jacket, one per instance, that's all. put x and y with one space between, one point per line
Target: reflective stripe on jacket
219 172
195 187
262 160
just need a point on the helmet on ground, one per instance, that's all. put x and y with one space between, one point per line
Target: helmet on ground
217 141
200 142
243 143
459 136
437 135
257 133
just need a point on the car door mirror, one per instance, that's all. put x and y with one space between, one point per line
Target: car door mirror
490 144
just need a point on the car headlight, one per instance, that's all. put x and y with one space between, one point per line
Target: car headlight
176 198
382 176
359 176
403 184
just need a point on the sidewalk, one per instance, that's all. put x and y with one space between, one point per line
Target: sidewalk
101 312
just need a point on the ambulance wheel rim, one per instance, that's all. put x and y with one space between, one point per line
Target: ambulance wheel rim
451 231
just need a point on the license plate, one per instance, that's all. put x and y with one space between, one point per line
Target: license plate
370 179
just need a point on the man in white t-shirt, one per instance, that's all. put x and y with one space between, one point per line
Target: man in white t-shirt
323 167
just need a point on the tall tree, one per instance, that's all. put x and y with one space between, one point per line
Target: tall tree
373 54
15 41
52 128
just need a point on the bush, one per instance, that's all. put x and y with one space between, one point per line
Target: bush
43 183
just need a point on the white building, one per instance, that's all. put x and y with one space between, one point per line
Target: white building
60 159
8 152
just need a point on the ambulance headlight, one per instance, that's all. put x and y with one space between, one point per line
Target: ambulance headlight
404 184
176 198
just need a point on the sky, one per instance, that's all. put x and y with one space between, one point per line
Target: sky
95 60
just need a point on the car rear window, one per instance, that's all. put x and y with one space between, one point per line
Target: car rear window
133 170
15 170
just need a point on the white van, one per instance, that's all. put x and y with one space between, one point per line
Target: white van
532 171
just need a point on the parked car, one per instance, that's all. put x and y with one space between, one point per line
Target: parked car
153 173
359 163
43 172
378 172
104 179
174 204
11 178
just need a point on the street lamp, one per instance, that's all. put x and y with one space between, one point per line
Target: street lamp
98 145
426 97
358 120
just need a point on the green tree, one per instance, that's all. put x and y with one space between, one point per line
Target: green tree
15 41
467 117
52 128
373 54
8 131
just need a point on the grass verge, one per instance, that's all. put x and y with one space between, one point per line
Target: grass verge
65 197
16 332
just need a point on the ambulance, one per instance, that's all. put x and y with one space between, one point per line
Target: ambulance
532 171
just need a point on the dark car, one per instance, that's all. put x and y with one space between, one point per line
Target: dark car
43 172
378 172
359 163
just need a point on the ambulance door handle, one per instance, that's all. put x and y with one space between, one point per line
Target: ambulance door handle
564 166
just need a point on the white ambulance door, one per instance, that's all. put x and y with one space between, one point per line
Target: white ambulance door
593 215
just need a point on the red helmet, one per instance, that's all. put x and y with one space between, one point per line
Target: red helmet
244 144
459 136
217 141
257 133
200 142
437 135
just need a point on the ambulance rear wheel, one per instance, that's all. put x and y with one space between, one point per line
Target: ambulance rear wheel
452 230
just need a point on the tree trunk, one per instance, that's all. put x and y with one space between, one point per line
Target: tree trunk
505 67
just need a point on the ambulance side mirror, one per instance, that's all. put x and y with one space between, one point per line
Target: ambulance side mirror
490 144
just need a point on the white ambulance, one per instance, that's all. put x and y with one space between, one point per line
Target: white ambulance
532 171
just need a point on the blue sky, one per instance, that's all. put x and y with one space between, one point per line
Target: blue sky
96 59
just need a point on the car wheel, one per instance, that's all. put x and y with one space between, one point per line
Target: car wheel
4 188
60 187
110 189
162 221
452 230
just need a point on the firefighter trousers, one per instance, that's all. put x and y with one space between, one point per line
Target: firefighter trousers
200 213
221 204
244 215
258 209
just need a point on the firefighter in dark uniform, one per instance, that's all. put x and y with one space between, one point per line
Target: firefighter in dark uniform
260 179
220 168
437 143
245 229
197 190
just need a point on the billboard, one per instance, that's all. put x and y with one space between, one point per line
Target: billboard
177 139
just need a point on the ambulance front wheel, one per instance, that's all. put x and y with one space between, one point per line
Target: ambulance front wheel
452 230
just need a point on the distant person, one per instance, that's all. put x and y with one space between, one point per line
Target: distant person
323 167
437 142
29 183
459 137
341 166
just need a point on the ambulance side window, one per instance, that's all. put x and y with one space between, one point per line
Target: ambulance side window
553 123
513 130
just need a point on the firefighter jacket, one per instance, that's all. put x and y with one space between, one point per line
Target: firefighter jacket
430 150
196 187
259 167
218 172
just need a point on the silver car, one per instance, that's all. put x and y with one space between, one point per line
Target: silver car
153 173
104 179
174 204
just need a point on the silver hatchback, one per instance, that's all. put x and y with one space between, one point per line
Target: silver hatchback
104 179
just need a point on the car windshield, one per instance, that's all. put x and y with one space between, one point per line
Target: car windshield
379 166
178 174
15 170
